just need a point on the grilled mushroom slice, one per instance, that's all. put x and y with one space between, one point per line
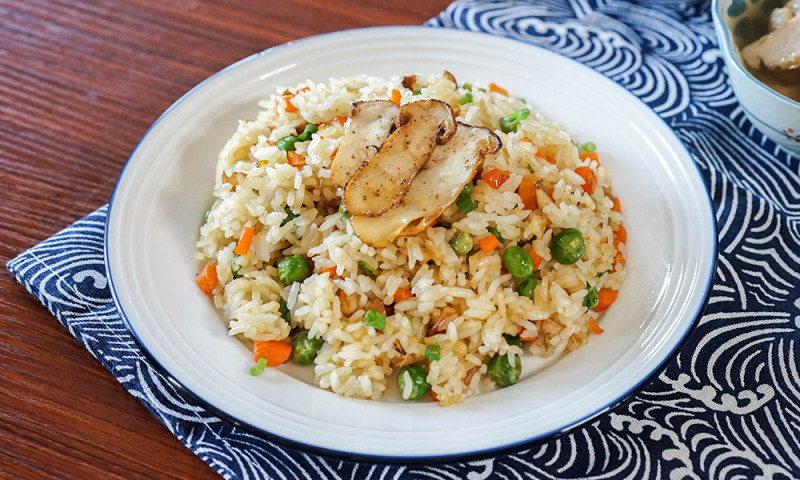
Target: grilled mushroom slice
371 122
382 182
435 188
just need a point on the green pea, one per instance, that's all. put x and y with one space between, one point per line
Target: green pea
305 348
293 269
465 99
417 375
591 299
588 147
500 370
567 247
461 243
367 269
518 262
528 286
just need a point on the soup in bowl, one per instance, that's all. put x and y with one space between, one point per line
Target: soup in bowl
768 87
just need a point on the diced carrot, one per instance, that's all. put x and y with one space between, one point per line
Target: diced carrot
396 96
589 179
547 158
289 107
551 191
620 236
488 243
335 151
493 87
619 259
402 294
495 177
295 159
338 120
272 144
617 207
527 193
434 396
304 89
595 327
331 271
527 336
606 297
585 155
207 278
275 352
243 245
537 259
527 140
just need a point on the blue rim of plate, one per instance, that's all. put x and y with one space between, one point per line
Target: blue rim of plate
406 460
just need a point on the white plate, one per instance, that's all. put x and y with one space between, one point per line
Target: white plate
160 198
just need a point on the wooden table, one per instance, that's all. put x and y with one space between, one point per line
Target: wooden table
80 83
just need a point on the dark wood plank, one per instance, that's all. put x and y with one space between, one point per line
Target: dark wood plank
80 83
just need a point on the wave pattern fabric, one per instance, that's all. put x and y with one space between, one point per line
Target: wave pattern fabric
727 405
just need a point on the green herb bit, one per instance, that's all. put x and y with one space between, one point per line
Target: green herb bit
433 352
307 132
591 299
464 200
465 99
367 269
510 123
514 340
286 143
236 266
283 309
588 147
417 91
600 274
497 234
344 212
290 215
375 319
258 369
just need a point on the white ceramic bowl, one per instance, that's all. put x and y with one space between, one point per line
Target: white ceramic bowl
776 116
165 187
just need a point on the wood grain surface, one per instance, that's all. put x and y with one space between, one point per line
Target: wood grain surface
80 83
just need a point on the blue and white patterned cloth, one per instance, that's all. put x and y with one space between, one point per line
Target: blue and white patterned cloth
726 406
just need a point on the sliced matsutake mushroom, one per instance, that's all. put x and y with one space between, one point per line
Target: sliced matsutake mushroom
435 188
383 181
371 122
